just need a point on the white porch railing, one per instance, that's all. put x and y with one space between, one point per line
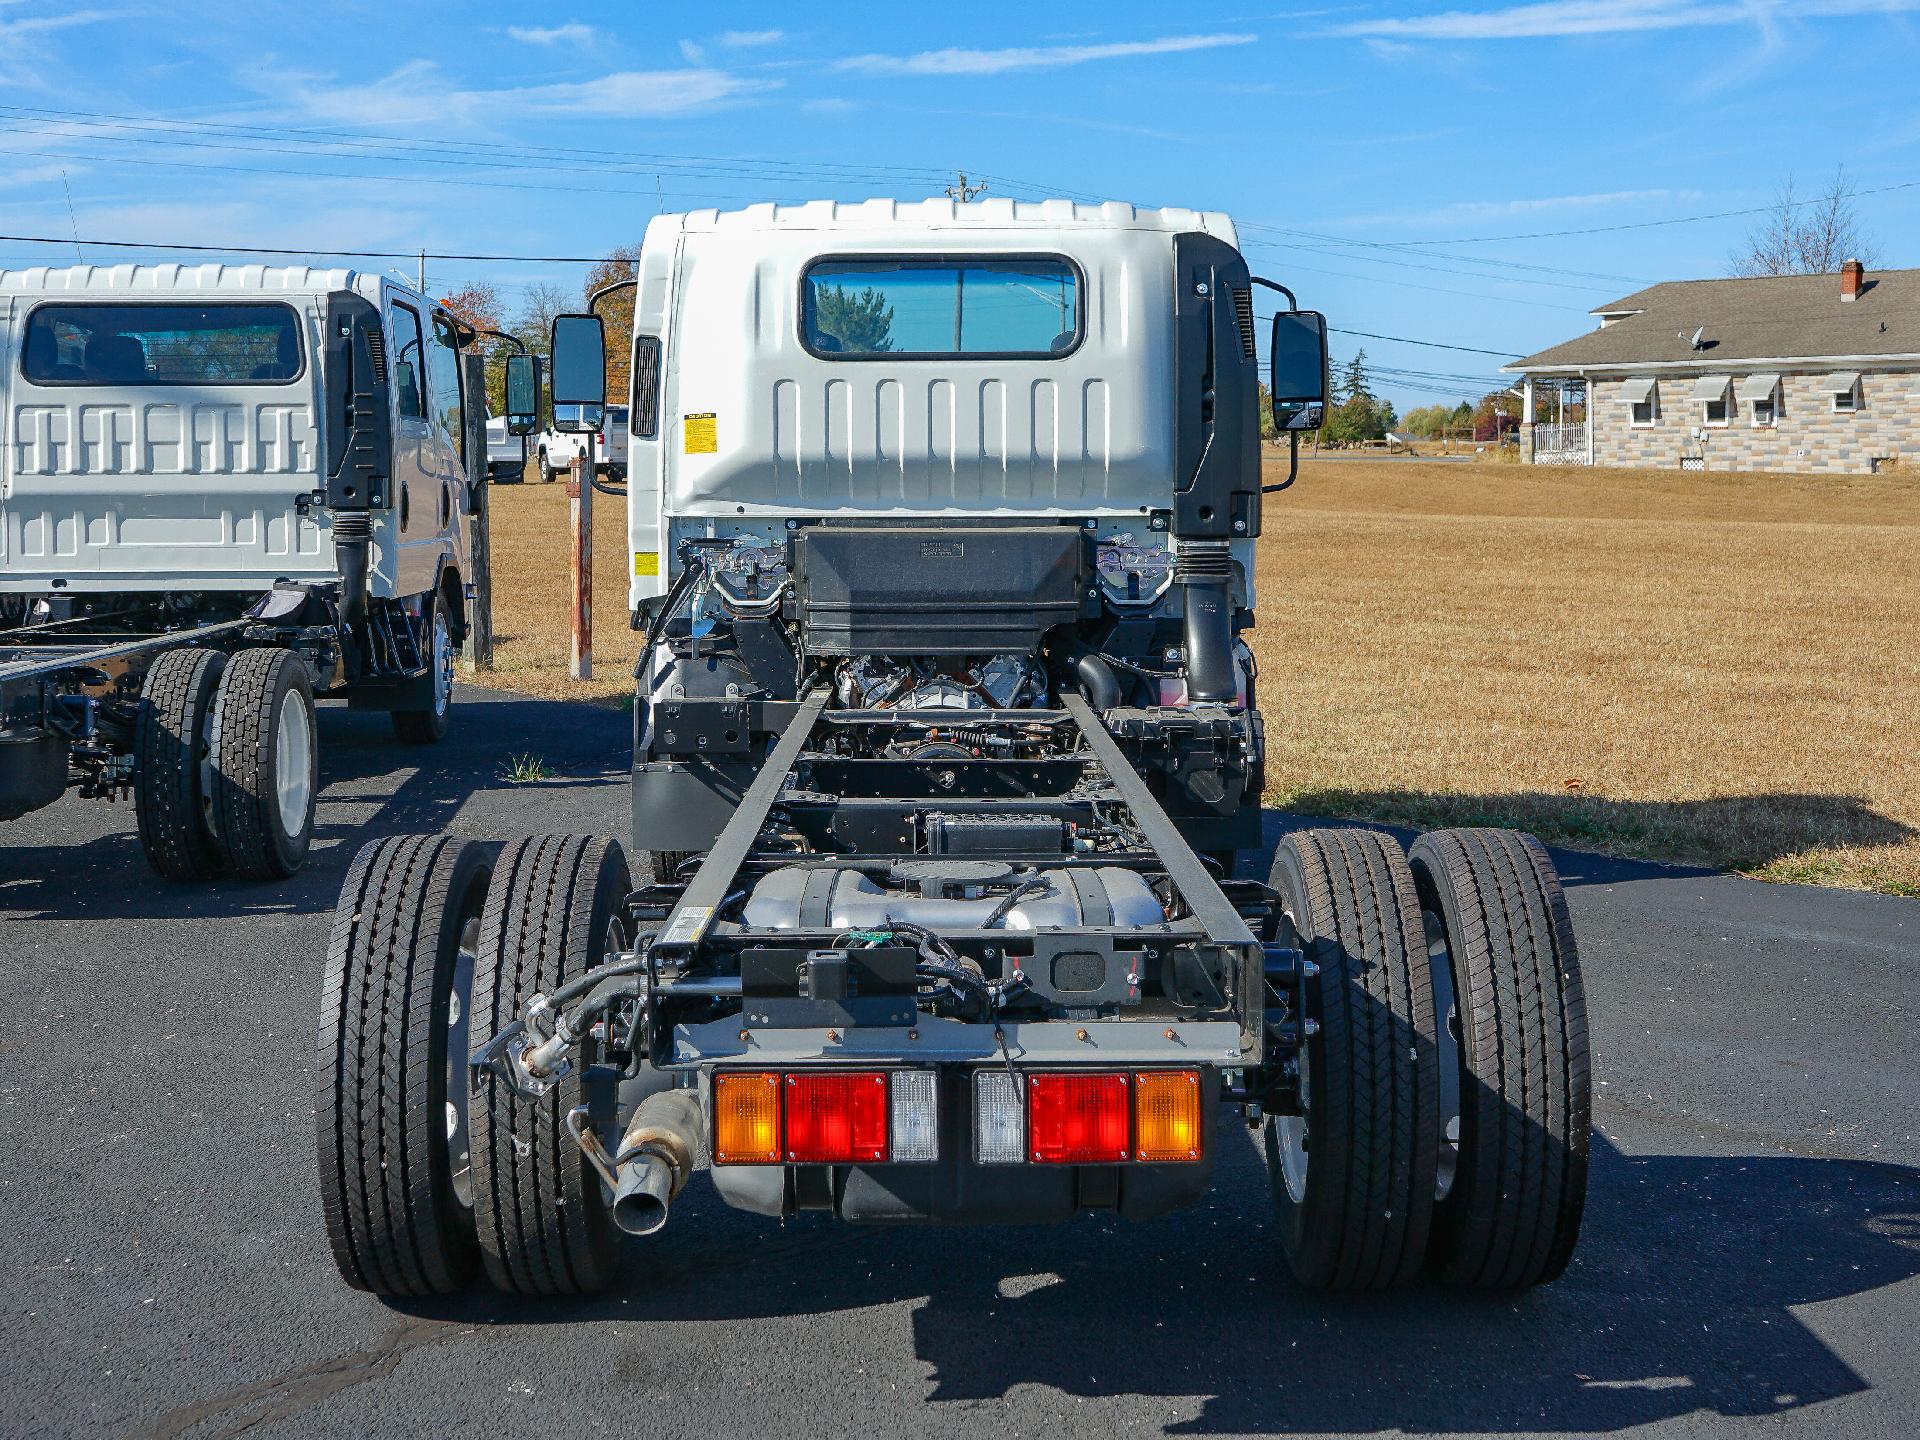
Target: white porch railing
1560 445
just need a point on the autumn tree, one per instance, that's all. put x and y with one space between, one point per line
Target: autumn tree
1806 237
616 314
478 304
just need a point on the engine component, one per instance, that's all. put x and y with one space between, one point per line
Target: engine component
749 578
996 834
873 590
999 682
950 895
1132 575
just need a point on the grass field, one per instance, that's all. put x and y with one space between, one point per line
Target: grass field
1720 669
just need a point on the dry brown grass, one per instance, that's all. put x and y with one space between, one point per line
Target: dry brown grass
1710 668
1721 669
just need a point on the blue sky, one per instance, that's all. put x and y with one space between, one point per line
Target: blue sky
1404 168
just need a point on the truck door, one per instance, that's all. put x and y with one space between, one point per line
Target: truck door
448 414
416 461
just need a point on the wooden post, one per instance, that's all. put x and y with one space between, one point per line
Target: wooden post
580 512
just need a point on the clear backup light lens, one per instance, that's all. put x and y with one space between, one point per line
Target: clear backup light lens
916 1118
999 1119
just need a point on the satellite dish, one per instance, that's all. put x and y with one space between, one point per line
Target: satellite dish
1698 336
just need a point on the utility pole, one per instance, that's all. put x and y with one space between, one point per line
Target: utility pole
423 271
963 192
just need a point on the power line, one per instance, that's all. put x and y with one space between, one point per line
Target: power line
1403 340
288 250
1655 224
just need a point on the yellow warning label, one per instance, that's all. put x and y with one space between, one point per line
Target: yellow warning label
703 434
646 562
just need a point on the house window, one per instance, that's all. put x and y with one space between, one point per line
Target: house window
1763 413
1846 394
1714 395
1646 411
1643 403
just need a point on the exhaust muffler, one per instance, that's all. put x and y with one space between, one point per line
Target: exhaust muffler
666 1141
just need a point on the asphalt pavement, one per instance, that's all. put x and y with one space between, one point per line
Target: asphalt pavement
1751 1256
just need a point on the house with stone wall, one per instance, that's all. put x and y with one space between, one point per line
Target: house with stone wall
1813 373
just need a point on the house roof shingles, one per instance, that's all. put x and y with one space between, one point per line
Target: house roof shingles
1771 318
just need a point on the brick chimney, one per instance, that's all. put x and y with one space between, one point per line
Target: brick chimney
1852 276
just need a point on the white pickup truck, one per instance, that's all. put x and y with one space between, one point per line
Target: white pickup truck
555 450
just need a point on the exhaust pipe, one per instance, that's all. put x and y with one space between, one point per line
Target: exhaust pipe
665 1142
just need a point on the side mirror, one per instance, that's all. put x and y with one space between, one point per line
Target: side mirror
579 362
523 396
1297 370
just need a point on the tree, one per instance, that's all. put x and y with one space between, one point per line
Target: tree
616 314
863 323
533 328
1806 237
478 304
1269 432
1354 380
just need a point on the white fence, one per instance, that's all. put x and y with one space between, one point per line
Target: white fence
1560 445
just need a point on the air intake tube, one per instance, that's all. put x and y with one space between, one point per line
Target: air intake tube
352 540
1204 569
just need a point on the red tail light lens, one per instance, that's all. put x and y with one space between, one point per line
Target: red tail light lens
836 1118
1078 1119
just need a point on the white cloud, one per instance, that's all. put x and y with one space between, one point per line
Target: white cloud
23 53
572 33
418 93
830 105
1474 211
747 39
1031 57
1607 17
692 53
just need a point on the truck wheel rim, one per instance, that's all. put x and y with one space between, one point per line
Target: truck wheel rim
293 762
442 662
1291 1132
459 1005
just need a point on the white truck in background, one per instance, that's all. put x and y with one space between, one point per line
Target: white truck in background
225 490
555 450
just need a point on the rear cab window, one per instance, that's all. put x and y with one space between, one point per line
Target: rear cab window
225 343
946 307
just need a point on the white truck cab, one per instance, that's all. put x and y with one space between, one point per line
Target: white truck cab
270 456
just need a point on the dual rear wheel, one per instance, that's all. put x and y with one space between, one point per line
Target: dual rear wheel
428 1177
1445 1095
226 763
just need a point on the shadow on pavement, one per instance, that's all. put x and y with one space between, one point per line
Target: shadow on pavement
1680 1300
81 858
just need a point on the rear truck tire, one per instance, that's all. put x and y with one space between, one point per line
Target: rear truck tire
1511 1214
429 726
544 1223
265 763
660 866
170 747
395 1174
1353 1177
547 473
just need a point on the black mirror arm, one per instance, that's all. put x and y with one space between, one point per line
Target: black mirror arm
594 299
513 340
1292 304
1293 436
1293 465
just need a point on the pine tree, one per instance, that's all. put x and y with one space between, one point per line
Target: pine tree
863 323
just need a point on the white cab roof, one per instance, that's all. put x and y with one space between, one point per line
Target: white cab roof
156 281
922 215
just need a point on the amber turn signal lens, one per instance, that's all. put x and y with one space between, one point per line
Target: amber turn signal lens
1167 1115
746 1118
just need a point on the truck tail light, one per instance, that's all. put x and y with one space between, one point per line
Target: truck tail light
836 1117
1079 1119
999 1119
916 1117
1167 1115
746 1118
